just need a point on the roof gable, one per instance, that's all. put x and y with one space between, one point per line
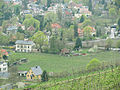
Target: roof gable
36 70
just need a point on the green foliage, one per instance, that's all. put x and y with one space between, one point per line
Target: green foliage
109 43
118 44
54 45
4 40
75 30
117 3
48 3
40 39
44 76
82 19
17 9
41 20
87 22
112 11
5 57
118 23
78 43
90 5
87 32
93 64
30 21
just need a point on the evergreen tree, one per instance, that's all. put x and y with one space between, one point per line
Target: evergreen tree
90 5
48 3
82 19
44 76
5 57
119 23
75 30
78 43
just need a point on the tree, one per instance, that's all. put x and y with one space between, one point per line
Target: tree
48 3
59 14
78 44
44 76
119 23
93 64
109 43
53 45
82 19
20 30
117 3
75 30
112 12
90 5
118 44
5 57
17 9
87 31
40 39
4 40
41 20
87 22
25 2
30 21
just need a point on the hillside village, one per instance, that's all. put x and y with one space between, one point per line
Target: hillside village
51 41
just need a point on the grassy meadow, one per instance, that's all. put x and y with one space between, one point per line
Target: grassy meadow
57 63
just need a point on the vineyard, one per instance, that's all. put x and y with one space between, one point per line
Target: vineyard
107 79
101 81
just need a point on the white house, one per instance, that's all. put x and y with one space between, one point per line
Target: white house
24 46
3 67
113 30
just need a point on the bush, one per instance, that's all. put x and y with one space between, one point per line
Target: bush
93 64
44 76
54 51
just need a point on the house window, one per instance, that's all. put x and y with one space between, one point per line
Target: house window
28 46
4 64
18 46
21 46
0 69
25 47
4 69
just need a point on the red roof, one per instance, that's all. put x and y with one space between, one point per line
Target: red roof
55 25
79 5
4 52
67 13
92 29
31 28
80 32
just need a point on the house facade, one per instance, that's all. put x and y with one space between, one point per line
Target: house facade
34 73
11 30
3 67
24 46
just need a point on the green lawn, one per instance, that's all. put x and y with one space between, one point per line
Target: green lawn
56 63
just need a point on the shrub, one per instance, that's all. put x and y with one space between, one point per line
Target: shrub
44 76
93 64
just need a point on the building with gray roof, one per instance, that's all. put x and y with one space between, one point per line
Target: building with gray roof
24 46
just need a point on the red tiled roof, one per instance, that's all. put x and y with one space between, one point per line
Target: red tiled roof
67 13
55 25
31 28
80 32
92 29
79 5
4 52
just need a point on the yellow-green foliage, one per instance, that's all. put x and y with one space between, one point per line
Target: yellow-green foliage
30 21
93 64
